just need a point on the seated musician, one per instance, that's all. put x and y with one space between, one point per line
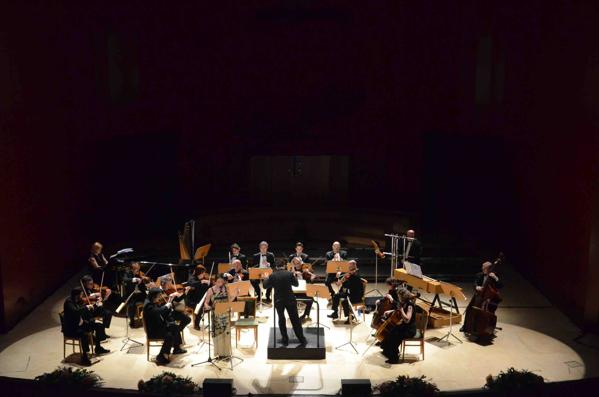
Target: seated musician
235 253
301 273
299 253
92 291
406 329
477 298
412 250
79 320
351 289
98 265
336 254
236 273
135 286
392 294
176 298
196 286
263 259
160 324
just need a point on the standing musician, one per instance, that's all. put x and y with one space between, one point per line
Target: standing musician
263 259
195 287
237 272
78 320
336 254
98 263
282 281
302 273
299 253
176 298
221 324
405 329
235 253
93 295
135 285
411 249
485 276
351 288
160 324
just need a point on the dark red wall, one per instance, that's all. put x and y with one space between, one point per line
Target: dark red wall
127 119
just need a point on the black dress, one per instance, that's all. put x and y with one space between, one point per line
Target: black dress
392 342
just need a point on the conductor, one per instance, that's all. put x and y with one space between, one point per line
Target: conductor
282 280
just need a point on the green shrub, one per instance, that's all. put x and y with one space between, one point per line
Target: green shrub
514 381
168 383
408 387
67 376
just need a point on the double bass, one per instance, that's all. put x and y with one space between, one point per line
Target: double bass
481 321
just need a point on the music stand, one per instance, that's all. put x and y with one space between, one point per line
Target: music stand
450 333
376 276
127 339
351 327
223 267
209 360
202 253
230 307
256 274
197 311
318 291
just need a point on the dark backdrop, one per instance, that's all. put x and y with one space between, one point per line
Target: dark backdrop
122 120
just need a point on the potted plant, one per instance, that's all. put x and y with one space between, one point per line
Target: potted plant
407 386
515 382
170 384
69 378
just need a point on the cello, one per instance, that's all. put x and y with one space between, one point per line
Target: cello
481 320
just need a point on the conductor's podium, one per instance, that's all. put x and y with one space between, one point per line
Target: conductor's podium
439 316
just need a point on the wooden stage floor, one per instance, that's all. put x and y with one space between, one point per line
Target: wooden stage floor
535 336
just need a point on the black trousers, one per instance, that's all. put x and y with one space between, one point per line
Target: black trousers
331 278
307 301
106 314
97 331
256 285
182 318
291 307
171 335
392 342
344 303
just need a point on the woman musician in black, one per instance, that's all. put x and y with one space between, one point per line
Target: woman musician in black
405 329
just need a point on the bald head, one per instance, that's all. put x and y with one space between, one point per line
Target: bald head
336 246
411 233
486 267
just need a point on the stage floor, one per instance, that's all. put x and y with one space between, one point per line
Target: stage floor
535 336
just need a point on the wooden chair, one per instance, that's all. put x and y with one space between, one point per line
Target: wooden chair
73 341
249 319
421 324
149 340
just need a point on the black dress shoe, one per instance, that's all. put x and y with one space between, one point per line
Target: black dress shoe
161 360
303 342
462 329
178 350
333 316
392 361
85 361
101 350
284 342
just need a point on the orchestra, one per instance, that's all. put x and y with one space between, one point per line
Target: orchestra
167 304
